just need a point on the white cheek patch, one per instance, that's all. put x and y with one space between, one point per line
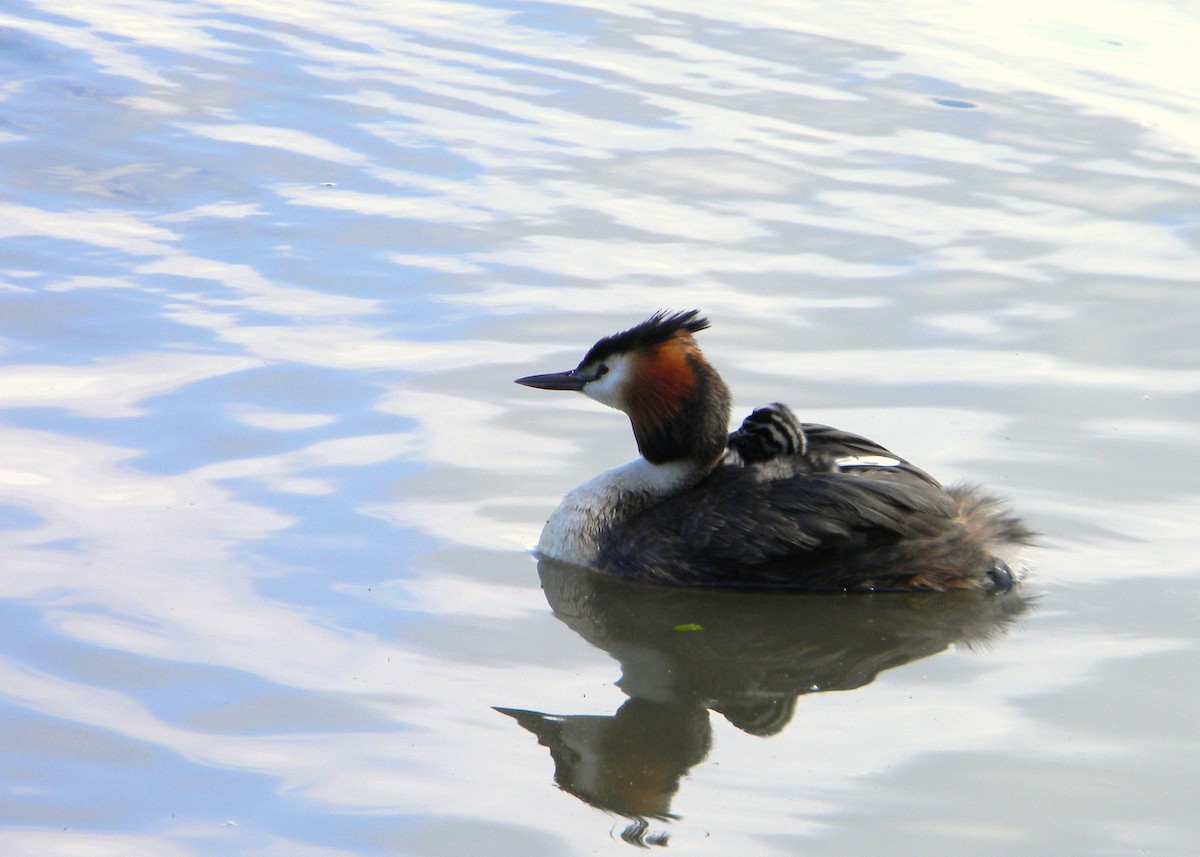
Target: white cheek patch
608 389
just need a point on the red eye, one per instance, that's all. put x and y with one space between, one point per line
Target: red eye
601 370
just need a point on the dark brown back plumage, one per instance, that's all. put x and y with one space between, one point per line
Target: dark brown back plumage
806 512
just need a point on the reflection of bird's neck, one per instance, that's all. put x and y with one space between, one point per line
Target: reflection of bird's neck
629 763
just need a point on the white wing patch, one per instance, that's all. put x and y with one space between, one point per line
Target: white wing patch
867 461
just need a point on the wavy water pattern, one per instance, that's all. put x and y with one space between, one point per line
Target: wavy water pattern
267 490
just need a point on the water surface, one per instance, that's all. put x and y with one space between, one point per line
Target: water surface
267 491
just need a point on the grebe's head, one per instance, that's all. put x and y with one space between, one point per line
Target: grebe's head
654 372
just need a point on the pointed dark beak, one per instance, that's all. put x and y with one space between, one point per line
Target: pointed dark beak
569 380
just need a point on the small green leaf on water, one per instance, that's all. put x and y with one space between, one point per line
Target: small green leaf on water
689 626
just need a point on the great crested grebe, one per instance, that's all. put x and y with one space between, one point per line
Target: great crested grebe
777 503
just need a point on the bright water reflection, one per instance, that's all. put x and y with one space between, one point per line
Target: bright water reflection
266 487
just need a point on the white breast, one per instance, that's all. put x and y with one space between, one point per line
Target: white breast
576 530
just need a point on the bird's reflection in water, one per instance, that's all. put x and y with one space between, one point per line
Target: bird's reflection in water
745 655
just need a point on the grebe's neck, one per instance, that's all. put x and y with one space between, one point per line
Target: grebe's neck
678 405
576 529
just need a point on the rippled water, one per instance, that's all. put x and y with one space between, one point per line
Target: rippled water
267 490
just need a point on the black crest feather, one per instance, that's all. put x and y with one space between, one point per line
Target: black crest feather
655 330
